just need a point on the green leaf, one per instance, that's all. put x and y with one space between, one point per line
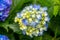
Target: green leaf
53 6
55 12
48 4
15 28
56 2
55 25
43 37
5 26
11 36
17 4
3 31
58 38
59 10
47 37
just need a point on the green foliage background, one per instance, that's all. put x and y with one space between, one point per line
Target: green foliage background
11 29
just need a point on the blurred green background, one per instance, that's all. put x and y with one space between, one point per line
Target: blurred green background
11 29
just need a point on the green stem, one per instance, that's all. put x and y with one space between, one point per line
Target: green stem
41 38
55 35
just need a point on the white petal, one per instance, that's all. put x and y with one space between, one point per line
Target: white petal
47 19
38 16
36 21
44 22
40 12
30 7
45 8
33 16
45 28
41 29
46 14
41 33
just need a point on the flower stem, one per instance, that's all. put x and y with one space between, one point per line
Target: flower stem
55 35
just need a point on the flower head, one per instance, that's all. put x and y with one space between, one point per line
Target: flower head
3 37
33 20
4 9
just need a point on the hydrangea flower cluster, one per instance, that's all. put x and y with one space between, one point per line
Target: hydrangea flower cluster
4 9
3 37
33 20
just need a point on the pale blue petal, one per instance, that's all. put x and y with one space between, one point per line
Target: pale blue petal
25 22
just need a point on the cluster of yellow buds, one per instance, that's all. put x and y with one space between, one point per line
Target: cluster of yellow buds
33 20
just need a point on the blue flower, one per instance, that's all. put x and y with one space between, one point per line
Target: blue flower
4 9
3 5
36 6
4 15
3 37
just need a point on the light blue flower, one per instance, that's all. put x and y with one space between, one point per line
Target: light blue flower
35 18
33 24
44 8
25 22
39 17
18 15
36 6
